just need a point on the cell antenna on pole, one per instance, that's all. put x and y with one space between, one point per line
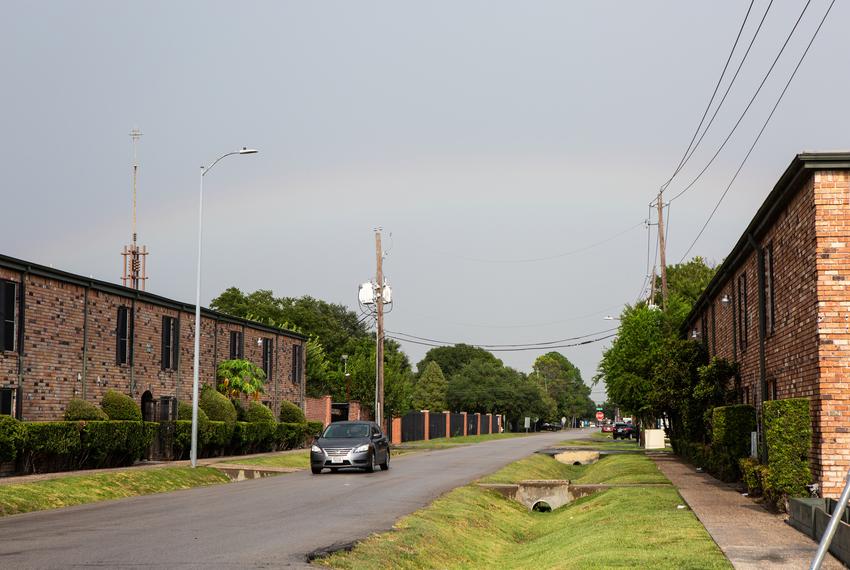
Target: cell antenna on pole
134 256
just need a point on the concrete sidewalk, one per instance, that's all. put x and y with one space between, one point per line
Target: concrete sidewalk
748 535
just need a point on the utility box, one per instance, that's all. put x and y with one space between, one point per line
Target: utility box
653 439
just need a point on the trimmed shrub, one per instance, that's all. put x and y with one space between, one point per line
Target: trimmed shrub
731 428
120 406
788 437
253 437
258 412
314 429
184 412
290 435
218 436
752 474
11 436
50 446
291 413
83 410
114 443
218 407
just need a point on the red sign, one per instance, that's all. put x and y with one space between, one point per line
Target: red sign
600 416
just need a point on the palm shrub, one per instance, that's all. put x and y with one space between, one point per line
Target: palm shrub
291 413
239 376
83 410
120 406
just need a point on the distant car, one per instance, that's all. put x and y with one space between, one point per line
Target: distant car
624 431
350 444
550 427
607 428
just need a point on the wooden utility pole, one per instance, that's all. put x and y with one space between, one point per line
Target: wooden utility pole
379 352
662 249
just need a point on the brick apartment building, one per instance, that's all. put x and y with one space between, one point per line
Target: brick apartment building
64 336
779 305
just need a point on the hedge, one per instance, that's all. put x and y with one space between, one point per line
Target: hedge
731 428
83 410
120 406
257 412
752 474
314 429
10 438
788 438
291 413
254 437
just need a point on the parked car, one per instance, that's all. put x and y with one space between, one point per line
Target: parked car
550 427
625 431
607 428
350 444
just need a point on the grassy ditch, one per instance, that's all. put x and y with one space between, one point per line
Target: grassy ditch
81 489
471 527
614 445
614 469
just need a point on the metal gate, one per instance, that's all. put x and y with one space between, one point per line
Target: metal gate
413 426
472 424
436 425
485 424
456 425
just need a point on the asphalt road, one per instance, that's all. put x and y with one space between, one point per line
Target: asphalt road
264 523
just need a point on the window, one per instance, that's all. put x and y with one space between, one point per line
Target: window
170 343
124 334
743 317
770 312
267 357
296 363
746 396
770 387
8 296
236 348
7 401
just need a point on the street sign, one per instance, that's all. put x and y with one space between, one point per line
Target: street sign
600 416
598 408
527 423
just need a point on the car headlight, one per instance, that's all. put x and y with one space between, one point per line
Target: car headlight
316 449
362 448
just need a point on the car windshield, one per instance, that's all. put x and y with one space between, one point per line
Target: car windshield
346 431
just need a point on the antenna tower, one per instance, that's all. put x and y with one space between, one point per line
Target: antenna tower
135 256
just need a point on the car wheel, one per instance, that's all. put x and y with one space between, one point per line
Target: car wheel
386 464
316 470
370 467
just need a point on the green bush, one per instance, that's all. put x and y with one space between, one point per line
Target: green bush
240 411
290 435
752 475
50 446
217 406
257 412
184 412
218 436
253 437
114 443
83 410
788 438
291 413
120 406
11 436
731 428
314 429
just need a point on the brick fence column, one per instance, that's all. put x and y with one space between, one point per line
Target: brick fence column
396 431
478 422
464 422
426 416
448 416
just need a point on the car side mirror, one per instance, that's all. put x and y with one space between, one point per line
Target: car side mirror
376 436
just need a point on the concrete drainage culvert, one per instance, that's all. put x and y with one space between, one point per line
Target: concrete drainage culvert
573 457
541 495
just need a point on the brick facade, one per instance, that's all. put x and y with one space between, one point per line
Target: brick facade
798 245
67 335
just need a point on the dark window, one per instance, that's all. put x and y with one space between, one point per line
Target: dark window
6 408
743 316
8 290
267 357
296 363
770 386
236 348
170 342
124 347
770 311
746 397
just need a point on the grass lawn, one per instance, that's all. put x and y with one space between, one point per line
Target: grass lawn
618 445
446 442
77 490
471 527
297 460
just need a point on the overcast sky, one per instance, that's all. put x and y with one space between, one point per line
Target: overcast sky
479 134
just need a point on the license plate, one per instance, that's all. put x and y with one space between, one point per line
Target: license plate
336 459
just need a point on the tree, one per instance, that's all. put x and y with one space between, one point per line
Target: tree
453 358
430 390
685 282
563 383
238 376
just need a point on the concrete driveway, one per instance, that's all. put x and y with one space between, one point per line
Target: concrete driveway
273 522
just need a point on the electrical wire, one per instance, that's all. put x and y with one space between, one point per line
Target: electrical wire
686 156
764 126
433 345
749 105
525 325
526 344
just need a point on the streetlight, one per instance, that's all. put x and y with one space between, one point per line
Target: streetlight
193 454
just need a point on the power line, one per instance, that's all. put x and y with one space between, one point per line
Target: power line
747 108
527 344
764 126
686 156
525 325
590 341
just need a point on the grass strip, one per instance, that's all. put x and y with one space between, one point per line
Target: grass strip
445 442
81 489
299 460
602 444
612 469
471 527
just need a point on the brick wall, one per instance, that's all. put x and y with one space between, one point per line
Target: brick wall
318 409
54 370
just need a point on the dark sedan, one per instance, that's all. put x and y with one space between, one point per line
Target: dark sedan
350 444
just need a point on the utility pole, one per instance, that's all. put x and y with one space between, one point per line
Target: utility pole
662 249
379 352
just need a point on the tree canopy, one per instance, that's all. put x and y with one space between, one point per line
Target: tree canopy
431 389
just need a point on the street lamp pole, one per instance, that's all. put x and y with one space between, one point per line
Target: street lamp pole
193 454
